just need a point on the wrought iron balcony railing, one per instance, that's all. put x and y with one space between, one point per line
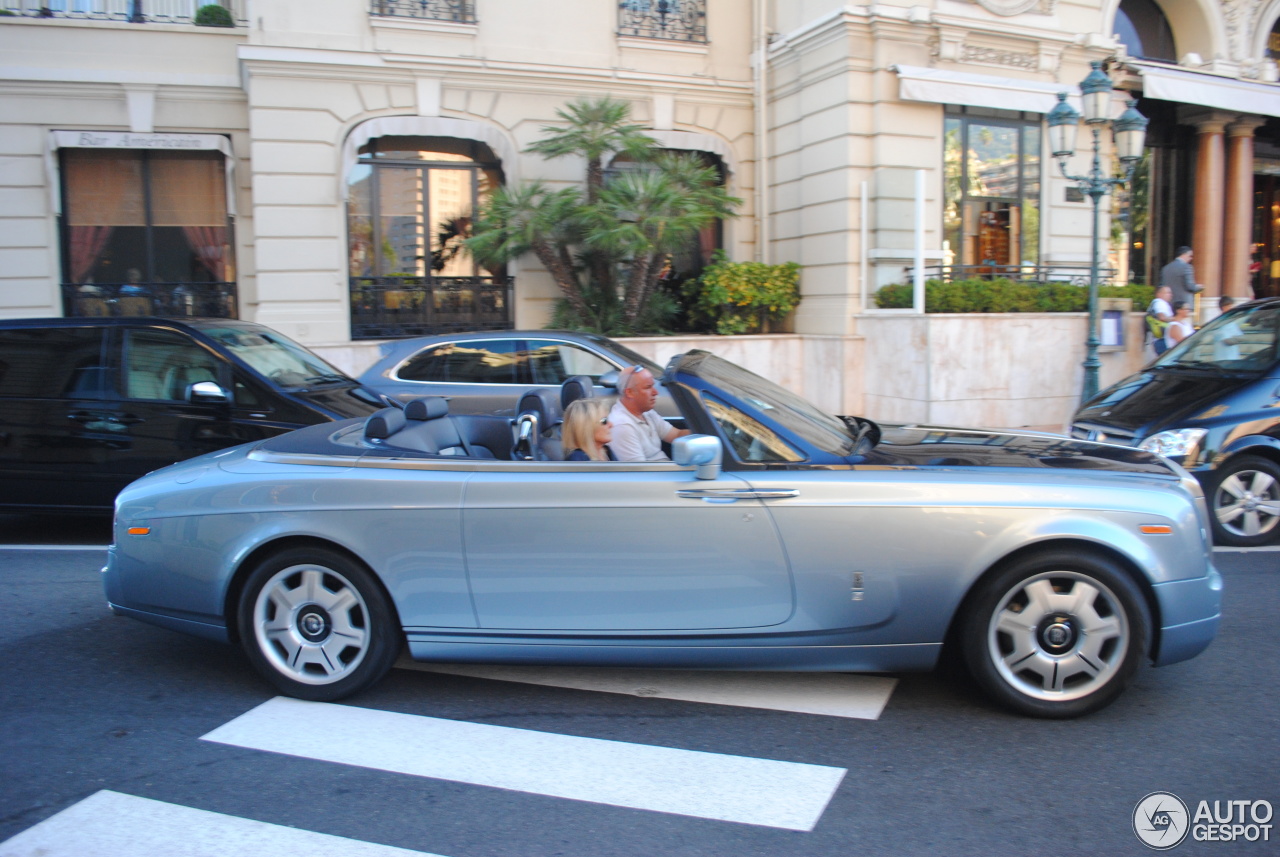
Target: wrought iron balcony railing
167 300
133 11
458 11
389 307
678 20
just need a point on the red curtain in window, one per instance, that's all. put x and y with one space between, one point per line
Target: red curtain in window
87 243
209 243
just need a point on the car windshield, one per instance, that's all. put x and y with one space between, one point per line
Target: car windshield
797 415
1241 340
275 356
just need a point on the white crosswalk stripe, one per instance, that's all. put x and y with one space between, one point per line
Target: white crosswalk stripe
832 694
786 795
111 824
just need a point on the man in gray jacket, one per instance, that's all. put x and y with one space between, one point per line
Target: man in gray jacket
1179 276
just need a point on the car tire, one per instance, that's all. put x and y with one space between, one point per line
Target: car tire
1244 502
317 624
1055 634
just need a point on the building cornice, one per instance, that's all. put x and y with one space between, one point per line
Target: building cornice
262 61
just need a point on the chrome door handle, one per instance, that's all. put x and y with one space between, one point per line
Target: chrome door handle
729 495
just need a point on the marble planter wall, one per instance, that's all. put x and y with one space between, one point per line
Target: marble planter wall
1007 370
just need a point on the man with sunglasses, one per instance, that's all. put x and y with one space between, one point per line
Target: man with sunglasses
638 431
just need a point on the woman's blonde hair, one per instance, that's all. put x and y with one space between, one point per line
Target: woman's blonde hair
579 432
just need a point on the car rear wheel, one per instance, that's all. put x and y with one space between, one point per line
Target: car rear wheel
1055 634
1245 502
317 624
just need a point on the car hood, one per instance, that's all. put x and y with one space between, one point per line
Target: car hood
1149 401
934 446
342 401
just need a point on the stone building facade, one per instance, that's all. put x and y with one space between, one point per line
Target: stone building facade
234 169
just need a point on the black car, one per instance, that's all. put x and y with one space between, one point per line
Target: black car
87 405
1212 404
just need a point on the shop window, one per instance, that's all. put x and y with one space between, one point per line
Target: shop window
142 227
410 205
991 214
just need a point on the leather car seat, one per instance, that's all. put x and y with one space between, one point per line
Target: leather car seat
577 387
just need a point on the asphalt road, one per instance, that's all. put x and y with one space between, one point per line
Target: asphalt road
99 708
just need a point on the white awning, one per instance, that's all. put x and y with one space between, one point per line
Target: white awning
978 90
1209 90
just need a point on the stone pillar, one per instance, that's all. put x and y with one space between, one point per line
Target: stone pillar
1237 243
1206 237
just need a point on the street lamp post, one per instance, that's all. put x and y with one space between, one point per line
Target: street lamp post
1130 132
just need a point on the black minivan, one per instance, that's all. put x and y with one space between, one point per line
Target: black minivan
87 405
1212 404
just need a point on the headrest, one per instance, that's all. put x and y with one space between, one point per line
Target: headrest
545 404
577 387
384 423
426 408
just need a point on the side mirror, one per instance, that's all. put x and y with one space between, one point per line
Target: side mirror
609 379
701 451
207 393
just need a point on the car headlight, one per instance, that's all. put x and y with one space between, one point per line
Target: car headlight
1182 444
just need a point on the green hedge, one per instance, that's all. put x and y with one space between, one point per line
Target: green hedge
1002 295
737 297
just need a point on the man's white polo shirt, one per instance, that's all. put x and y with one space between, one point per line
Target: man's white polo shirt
638 438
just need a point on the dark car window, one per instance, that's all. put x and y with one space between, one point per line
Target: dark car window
1243 340
161 365
55 362
481 362
554 362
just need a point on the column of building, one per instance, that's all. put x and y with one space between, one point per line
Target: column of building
1222 232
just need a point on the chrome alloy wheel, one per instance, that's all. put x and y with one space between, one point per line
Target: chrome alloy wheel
1247 503
1058 636
311 624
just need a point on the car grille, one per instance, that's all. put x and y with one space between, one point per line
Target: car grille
1102 434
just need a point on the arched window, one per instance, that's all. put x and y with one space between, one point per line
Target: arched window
410 205
1144 31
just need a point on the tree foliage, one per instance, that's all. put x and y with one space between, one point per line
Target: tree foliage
606 248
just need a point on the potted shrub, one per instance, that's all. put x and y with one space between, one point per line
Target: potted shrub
213 15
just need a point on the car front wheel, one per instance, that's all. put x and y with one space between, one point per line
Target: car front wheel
317 625
1245 502
1055 634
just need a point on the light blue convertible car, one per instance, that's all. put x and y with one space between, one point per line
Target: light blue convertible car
779 538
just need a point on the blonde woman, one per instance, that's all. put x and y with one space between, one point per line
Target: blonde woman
586 431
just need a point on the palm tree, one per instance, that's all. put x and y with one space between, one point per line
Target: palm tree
593 130
620 232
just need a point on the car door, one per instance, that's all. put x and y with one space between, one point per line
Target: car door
157 367
57 432
585 547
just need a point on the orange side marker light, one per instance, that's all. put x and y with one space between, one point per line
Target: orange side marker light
1156 529
139 531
